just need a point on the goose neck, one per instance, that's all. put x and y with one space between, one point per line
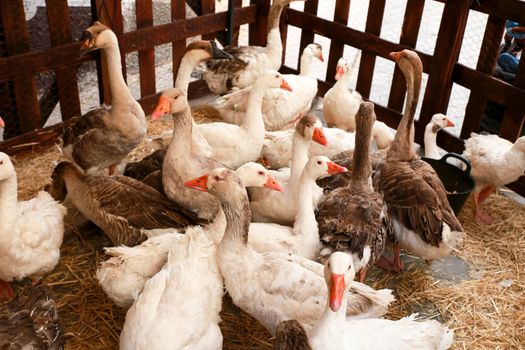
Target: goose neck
238 216
253 122
361 164
120 94
8 204
331 320
182 128
430 142
305 220
307 65
300 147
187 63
274 16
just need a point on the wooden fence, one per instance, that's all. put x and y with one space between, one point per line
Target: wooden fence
18 64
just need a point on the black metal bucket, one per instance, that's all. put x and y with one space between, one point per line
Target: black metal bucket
457 182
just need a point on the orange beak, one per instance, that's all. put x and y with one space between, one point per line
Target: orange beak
321 58
200 183
2 123
163 108
271 183
396 56
339 72
335 168
319 137
337 289
450 123
286 86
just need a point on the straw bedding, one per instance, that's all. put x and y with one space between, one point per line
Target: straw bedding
486 310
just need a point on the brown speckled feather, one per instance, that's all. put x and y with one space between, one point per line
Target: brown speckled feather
84 125
141 169
416 197
290 335
241 57
31 322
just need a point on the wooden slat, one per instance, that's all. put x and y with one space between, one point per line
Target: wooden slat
144 13
178 48
486 63
17 41
446 53
409 34
236 29
360 40
283 29
376 10
509 9
258 30
307 34
67 55
341 12
513 118
208 7
66 78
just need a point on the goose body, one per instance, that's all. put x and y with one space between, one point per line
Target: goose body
103 138
303 238
495 162
273 287
31 232
123 275
234 145
340 105
336 332
281 207
122 207
422 219
352 218
248 62
279 108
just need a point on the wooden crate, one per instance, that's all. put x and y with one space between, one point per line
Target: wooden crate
18 64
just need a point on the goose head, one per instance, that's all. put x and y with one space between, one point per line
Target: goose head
57 188
272 79
255 175
520 144
2 123
221 182
204 50
316 50
7 170
408 61
320 166
439 121
311 129
172 100
339 271
342 67
98 36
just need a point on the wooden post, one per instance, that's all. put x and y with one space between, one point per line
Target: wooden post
17 42
178 48
258 30
66 78
144 13
374 20
446 53
207 7
409 34
307 35
512 122
342 10
486 63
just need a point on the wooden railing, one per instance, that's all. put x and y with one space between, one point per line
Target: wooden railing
19 64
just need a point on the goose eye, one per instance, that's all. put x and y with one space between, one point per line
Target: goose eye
176 97
1 162
216 178
277 75
319 162
261 173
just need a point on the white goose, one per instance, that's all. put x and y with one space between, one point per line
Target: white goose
340 104
248 61
281 207
122 277
31 232
303 238
335 332
273 287
279 108
234 145
439 121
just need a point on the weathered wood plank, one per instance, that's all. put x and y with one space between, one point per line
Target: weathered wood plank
144 13
374 20
307 34
283 28
258 30
509 9
17 41
235 29
178 48
446 53
409 34
208 7
513 119
341 12
66 78
486 64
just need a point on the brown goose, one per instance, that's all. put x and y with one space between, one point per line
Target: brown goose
248 61
121 206
422 219
351 218
103 138
31 322
290 335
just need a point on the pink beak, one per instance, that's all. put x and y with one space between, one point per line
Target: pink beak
396 56
2 123
337 289
286 86
319 136
272 184
450 123
163 108
335 168
321 58
200 183
339 72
